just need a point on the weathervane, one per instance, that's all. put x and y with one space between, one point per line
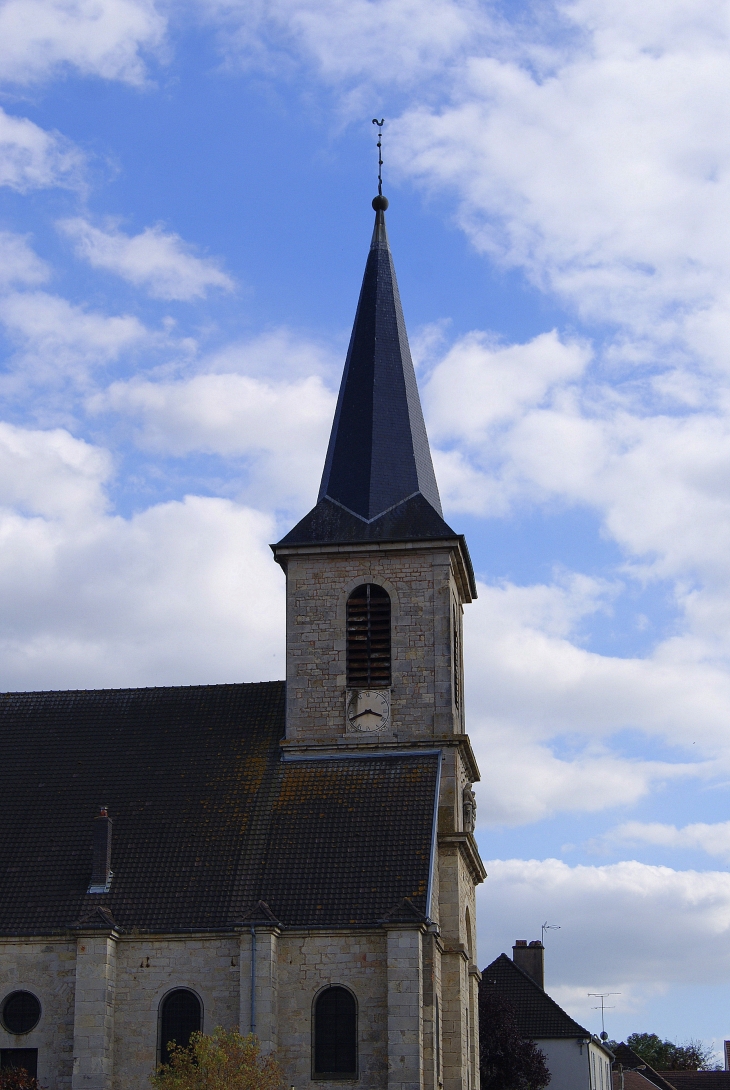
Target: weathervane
380 153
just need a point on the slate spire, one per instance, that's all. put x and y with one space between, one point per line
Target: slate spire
378 481
378 453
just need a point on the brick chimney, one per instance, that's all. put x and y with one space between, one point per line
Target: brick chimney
531 959
101 853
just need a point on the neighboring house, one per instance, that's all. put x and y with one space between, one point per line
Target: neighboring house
576 1059
698 1080
629 1065
630 1061
631 1080
292 859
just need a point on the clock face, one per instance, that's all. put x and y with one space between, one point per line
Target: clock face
368 709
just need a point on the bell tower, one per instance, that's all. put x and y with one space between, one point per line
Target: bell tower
376 586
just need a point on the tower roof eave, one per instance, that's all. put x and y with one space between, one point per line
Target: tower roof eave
414 522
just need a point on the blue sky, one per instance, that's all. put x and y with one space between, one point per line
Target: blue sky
184 217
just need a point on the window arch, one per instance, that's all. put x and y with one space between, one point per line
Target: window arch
368 638
335 1034
181 1015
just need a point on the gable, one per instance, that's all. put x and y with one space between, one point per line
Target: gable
537 1014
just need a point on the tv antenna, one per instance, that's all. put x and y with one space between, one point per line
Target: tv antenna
602 996
548 927
380 153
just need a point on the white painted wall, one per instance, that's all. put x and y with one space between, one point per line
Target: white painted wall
573 1065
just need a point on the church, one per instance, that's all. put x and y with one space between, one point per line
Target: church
293 859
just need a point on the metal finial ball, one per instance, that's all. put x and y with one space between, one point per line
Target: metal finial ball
380 203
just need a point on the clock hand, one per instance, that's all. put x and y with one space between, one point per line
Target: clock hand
368 711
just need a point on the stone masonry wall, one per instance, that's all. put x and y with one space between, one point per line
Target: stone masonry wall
149 968
422 588
47 968
309 962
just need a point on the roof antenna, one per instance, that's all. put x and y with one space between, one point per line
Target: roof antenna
549 927
380 153
602 996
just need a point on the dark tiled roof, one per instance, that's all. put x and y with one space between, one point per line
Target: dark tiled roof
631 1060
698 1080
632 1080
537 1014
207 818
378 454
412 520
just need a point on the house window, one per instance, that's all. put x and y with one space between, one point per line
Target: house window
335 1034
25 1059
21 1012
368 638
181 1015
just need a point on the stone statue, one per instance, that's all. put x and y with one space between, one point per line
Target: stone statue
470 809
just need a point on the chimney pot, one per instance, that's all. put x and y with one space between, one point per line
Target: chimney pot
531 959
101 853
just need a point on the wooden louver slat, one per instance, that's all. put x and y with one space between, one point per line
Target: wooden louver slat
368 638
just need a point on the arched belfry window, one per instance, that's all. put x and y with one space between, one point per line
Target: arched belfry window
181 1015
368 638
335 1034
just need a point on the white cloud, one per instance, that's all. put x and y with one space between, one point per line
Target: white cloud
56 339
281 428
50 473
97 37
599 165
542 710
18 262
679 927
31 158
162 263
714 839
526 424
182 592
479 384
350 41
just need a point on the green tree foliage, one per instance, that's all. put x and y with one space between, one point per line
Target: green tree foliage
666 1056
17 1078
507 1061
225 1060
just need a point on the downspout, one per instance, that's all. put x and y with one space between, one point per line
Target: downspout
253 979
434 835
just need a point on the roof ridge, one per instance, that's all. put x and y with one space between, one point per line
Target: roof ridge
144 688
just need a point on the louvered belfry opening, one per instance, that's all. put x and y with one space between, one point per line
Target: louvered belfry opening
368 638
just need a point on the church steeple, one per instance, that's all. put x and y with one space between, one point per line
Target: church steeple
378 482
378 452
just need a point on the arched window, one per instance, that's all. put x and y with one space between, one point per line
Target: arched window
335 1034
180 1016
368 638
